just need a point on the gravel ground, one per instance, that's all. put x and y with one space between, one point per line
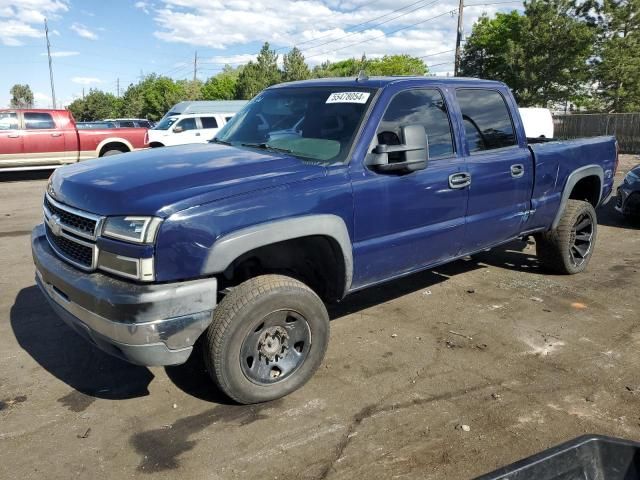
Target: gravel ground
525 359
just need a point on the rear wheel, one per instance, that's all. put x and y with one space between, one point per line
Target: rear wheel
567 248
267 338
108 153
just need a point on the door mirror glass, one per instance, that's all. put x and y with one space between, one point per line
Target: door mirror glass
401 155
178 129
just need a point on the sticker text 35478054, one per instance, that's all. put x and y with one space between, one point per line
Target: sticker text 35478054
348 97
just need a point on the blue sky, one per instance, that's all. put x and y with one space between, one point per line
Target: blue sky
96 42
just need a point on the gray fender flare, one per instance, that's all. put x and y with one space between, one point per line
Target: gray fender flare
573 178
232 245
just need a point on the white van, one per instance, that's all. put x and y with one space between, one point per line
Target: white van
187 128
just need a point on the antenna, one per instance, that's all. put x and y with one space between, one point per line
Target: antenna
53 90
362 76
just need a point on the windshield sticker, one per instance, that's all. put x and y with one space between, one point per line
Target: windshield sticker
348 97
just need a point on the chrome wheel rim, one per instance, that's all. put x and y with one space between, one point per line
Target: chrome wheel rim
581 239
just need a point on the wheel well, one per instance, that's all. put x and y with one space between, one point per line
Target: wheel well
113 146
155 144
315 260
588 189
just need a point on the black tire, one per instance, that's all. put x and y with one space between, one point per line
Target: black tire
255 313
108 153
568 248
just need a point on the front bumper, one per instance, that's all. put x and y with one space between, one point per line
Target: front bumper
627 200
145 324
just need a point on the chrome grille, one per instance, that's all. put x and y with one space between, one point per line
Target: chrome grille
72 233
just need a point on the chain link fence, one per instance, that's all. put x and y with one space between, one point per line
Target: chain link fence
625 126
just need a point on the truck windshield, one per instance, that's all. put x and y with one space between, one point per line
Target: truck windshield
165 123
316 123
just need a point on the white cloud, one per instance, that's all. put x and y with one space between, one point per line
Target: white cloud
83 31
322 29
62 53
21 20
86 80
144 6
41 99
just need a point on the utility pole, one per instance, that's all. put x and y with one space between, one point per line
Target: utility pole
53 90
83 93
118 86
195 66
456 69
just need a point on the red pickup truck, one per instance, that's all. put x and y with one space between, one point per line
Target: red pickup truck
38 138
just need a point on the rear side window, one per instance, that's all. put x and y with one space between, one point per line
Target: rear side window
487 121
209 122
187 124
420 106
126 124
38 121
8 121
144 124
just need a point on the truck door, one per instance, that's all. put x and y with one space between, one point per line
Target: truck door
44 144
408 221
11 146
210 126
185 131
499 167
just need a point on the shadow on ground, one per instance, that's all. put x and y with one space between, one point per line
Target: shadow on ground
25 175
69 357
85 368
607 215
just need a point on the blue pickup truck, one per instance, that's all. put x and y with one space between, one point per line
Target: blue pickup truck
314 190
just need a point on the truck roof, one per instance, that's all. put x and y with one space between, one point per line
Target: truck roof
380 82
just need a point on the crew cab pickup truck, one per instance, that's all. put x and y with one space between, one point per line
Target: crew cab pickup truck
35 139
236 246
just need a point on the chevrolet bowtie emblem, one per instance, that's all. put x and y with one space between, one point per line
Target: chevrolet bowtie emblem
54 225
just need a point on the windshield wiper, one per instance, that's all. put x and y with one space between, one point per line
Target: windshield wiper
266 146
221 142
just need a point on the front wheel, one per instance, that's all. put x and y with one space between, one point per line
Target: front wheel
567 248
267 338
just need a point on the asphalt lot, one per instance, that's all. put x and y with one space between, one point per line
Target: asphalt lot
525 359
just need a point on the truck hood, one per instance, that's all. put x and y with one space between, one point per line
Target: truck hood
162 181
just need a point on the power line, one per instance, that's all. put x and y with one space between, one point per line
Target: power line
383 35
372 26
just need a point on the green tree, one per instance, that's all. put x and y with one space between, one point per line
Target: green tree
152 97
617 67
543 55
96 105
222 86
258 75
21 96
294 66
192 89
388 65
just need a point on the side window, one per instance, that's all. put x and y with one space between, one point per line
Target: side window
421 106
187 124
209 122
126 124
487 121
38 121
8 121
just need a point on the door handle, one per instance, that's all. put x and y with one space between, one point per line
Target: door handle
517 170
459 180
13 135
56 134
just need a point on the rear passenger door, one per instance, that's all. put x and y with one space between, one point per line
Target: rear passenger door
500 169
44 143
11 146
209 127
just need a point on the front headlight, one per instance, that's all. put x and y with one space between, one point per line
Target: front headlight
132 229
631 177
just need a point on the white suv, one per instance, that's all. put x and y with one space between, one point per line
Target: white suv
187 128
